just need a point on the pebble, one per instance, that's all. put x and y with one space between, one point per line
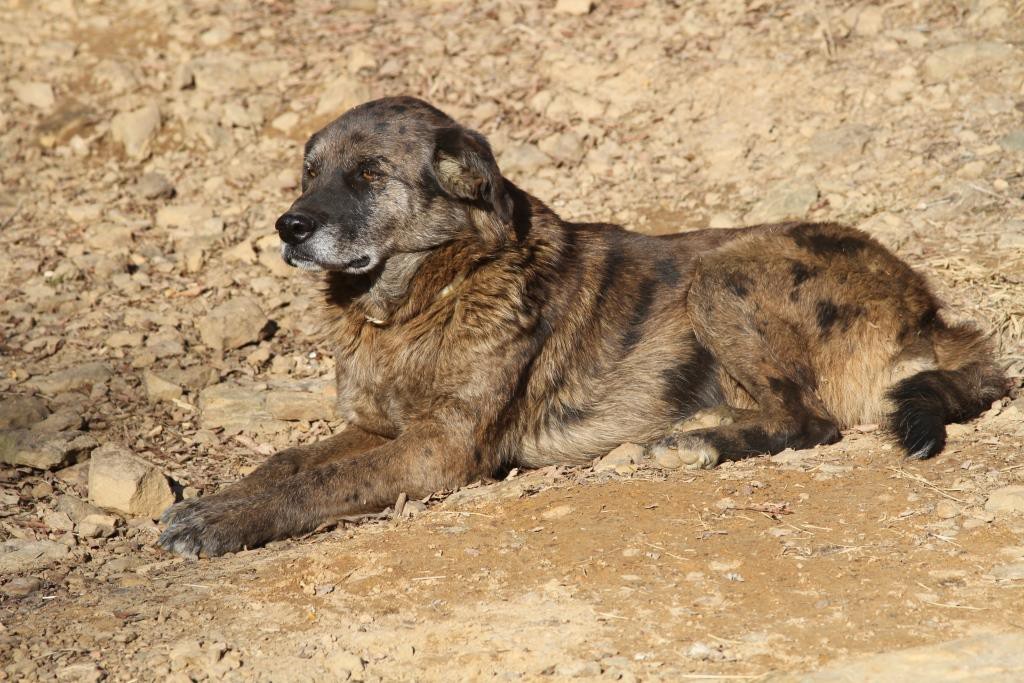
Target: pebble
1011 235
522 160
76 508
154 186
1013 141
124 338
946 509
58 521
20 412
83 376
34 93
999 655
97 526
574 7
557 512
1009 499
340 95
233 324
299 405
19 555
44 450
160 389
235 408
121 481
61 420
1009 572
788 200
85 672
965 58
345 666
135 130
626 455
21 586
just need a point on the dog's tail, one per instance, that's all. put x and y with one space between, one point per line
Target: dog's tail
966 382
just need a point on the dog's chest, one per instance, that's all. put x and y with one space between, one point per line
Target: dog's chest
386 377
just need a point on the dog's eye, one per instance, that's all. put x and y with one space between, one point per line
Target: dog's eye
311 172
370 176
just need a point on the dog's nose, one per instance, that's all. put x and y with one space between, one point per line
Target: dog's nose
295 227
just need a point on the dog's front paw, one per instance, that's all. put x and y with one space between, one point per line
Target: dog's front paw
691 452
212 526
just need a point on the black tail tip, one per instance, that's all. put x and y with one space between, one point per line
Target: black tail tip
921 434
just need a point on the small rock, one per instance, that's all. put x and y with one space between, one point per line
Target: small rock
154 186
626 454
574 7
97 526
870 21
85 672
1009 572
299 405
964 59
241 252
160 389
1007 499
557 512
62 420
19 555
340 95
1013 141
788 200
230 405
58 521
76 508
566 148
233 324
21 586
191 220
1011 235
83 376
34 94
128 484
136 130
946 509
577 668
523 160
77 475
21 412
955 430
124 339
44 450
345 666
285 122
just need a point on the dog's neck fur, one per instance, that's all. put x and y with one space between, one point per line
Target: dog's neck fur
392 286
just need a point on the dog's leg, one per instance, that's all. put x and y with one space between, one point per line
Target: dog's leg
769 359
418 462
347 443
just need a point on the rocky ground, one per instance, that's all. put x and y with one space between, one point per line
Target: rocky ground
153 345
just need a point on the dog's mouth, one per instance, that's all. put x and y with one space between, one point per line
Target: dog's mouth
357 265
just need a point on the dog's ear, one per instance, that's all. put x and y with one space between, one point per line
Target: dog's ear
465 168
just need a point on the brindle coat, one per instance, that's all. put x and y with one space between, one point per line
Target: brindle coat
476 330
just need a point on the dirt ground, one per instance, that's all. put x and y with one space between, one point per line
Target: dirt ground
147 148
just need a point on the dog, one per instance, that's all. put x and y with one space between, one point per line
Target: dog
475 330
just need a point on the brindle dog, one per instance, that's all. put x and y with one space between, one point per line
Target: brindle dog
476 330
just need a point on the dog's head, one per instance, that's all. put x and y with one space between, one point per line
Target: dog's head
390 176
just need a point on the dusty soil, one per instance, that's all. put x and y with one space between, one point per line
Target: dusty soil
905 118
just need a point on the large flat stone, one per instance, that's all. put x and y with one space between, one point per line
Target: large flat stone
44 450
79 377
990 658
